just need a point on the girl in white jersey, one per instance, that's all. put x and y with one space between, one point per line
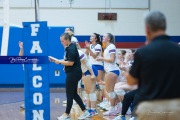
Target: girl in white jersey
93 51
111 69
89 79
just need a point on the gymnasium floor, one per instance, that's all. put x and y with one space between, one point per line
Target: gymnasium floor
11 99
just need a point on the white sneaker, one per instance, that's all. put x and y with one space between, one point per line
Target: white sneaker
107 108
22 106
63 117
65 102
129 112
118 108
84 115
107 105
104 101
111 112
120 118
103 104
133 118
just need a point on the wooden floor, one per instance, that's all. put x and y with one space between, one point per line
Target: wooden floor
10 107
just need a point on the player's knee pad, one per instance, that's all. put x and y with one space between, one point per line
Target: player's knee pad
86 96
120 92
101 87
79 83
92 97
112 95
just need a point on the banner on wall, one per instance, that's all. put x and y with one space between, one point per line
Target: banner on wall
37 97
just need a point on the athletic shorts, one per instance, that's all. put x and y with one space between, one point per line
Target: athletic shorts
94 70
117 72
99 67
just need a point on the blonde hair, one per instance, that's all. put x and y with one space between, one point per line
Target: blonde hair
67 36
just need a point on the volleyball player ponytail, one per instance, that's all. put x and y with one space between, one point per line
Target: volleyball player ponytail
98 37
112 39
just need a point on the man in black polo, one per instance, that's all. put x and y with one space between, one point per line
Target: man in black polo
156 70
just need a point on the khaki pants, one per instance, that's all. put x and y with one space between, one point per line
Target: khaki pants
159 110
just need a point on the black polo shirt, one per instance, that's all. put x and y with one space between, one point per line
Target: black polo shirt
157 67
71 54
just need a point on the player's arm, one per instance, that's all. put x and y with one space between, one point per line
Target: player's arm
21 51
110 60
70 58
66 63
88 50
94 55
87 45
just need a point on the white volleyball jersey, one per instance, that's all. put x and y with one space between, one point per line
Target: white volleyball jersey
96 49
110 49
74 39
83 56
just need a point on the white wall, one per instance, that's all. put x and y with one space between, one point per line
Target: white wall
129 20
85 21
171 9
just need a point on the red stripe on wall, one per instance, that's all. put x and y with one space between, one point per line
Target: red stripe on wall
123 44
129 44
82 44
